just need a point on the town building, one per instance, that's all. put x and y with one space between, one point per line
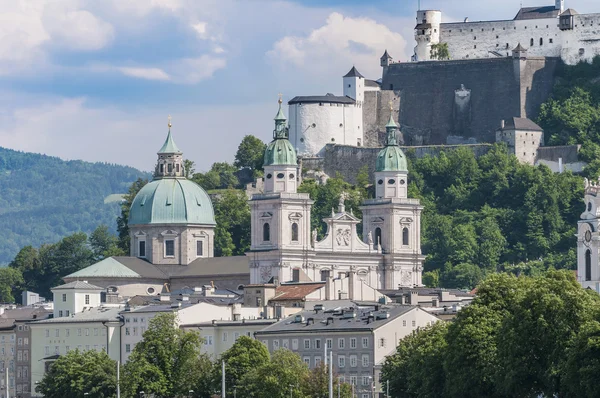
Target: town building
358 336
547 31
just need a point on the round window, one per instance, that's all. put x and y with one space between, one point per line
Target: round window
333 140
280 175
301 139
150 290
380 182
292 176
402 182
391 181
269 176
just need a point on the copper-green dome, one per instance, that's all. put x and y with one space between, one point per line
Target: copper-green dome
280 151
391 158
172 201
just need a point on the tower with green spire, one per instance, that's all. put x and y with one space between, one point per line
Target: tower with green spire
280 161
391 169
170 159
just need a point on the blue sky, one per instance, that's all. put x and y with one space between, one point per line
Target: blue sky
95 80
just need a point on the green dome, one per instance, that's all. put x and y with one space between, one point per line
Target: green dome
171 201
391 158
280 152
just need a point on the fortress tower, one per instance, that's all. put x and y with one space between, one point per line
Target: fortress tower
427 33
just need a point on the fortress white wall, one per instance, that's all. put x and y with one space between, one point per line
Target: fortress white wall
485 39
314 125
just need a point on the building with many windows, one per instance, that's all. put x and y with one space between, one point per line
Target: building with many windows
358 336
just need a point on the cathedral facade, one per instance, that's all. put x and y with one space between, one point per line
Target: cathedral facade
284 248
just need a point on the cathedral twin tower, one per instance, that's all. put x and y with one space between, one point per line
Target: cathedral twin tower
284 247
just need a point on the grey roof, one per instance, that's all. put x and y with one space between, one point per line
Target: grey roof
77 285
247 322
385 55
353 73
521 123
360 322
234 265
537 13
519 48
372 83
158 308
424 291
148 300
96 314
423 26
26 313
569 11
328 99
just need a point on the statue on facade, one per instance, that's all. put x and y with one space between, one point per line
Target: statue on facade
341 205
314 237
370 238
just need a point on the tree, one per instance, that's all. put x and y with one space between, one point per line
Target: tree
317 384
583 362
27 262
440 51
10 279
250 154
77 373
189 168
221 175
123 219
244 356
104 244
232 214
167 362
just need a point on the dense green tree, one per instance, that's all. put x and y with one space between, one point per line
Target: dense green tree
232 214
189 168
11 279
105 244
440 51
244 356
167 362
316 385
221 175
78 373
582 363
123 219
250 154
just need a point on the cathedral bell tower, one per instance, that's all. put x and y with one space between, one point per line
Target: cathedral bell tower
280 217
588 238
392 221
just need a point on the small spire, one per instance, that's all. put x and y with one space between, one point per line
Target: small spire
169 124
391 128
281 130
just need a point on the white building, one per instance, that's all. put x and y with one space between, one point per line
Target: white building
283 247
75 297
93 329
360 337
316 121
549 31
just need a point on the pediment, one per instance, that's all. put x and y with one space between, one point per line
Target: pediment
377 220
266 214
169 232
295 216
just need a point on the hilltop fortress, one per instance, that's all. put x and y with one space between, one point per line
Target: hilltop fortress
497 76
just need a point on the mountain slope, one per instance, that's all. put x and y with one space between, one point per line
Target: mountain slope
44 198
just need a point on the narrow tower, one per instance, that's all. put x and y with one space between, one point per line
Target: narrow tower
588 238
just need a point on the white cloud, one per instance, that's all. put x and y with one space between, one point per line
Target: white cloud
194 70
340 43
144 73
200 29
141 8
76 30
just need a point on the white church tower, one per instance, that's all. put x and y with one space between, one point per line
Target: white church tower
392 221
588 239
280 218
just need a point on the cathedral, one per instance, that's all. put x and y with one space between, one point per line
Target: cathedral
172 229
284 248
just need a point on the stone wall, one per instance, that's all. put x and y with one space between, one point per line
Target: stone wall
376 113
467 98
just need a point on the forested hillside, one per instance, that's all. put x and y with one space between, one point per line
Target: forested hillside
44 198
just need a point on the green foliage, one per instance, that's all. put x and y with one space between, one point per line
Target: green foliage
316 385
221 175
123 219
104 244
77 373
440 51
232 214
250 154
521 337
10 278
43 198
189 168
244 356
167 362
486 214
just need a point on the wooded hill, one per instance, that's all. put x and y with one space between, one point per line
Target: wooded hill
44 198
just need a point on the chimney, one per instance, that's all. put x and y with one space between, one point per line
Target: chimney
435 302
370 318
329 320
502 124
414 297
310 321
351 281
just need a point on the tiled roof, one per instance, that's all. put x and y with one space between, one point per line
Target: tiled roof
353 73
521 123
96 314
26 313
372 83
297 291
319 320
537 13
77 285
233 265
107 268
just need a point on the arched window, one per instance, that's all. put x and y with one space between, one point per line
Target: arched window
294 232
588 265
377 236
541 41
531 42
266 232
405 236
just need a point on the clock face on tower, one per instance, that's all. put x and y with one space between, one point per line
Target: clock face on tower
588 236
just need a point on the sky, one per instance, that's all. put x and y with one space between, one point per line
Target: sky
96 80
